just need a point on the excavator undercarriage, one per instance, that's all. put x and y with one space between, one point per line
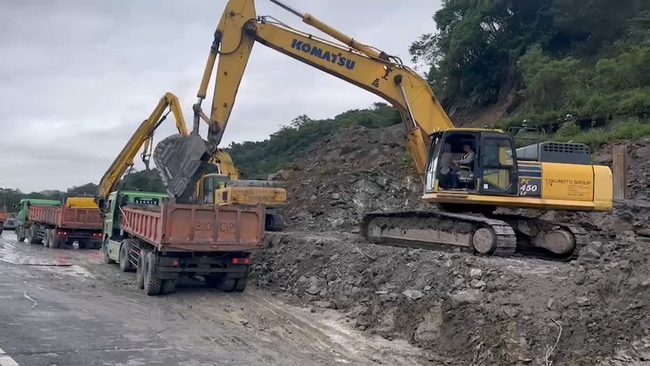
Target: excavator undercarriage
493 234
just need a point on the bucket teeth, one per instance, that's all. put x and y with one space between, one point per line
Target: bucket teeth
181 160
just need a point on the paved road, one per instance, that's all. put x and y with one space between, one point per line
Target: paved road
43 327
67 308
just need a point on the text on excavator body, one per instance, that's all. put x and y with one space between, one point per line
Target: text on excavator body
334 58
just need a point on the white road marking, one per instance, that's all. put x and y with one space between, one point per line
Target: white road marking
6 360
30 299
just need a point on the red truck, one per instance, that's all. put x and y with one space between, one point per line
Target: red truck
3 218
163 241
56 226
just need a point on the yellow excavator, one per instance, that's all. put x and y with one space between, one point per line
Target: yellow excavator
467 172
225 187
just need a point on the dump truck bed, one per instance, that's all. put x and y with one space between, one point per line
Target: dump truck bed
196 228
3 214
67 218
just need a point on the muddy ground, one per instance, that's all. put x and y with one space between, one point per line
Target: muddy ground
470 310
197 323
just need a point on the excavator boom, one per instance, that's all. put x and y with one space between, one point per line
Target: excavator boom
489 174
142 137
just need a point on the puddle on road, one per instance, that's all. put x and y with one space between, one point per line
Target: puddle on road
66 261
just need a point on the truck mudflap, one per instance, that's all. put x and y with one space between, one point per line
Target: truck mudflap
197 228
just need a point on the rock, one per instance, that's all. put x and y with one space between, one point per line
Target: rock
313 290
324 304
475 272
478 284
582 301
550 304
466 297
589 255
510 311
643 153
579 278
413 294
597 246
643 232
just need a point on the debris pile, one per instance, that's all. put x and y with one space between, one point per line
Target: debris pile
355 171
472 310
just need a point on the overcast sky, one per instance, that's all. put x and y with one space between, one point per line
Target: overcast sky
77 77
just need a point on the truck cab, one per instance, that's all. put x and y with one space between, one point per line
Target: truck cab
118 199
22 216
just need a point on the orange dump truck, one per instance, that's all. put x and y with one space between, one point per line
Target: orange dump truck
3 218
57 226
163 241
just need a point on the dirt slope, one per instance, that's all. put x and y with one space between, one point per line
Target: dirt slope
463 309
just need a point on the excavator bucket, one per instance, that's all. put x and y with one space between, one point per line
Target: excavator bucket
181 160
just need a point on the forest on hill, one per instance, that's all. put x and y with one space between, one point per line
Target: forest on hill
538 61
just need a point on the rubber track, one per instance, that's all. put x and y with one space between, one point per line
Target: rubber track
506 237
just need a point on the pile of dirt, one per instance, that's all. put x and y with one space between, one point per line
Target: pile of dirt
355 171
463 308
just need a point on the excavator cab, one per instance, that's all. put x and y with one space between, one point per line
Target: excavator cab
472 161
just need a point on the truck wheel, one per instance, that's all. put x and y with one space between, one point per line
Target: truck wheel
1 230
30 236
20 233
240 284
139 274
46 238
107 259
152 284
169 286
227 284
55 241
125 255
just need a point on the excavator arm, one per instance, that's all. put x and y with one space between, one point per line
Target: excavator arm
142 137
358 64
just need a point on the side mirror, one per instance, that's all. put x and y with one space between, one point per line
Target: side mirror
101 203
14 206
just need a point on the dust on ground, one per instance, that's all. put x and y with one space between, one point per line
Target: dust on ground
470 310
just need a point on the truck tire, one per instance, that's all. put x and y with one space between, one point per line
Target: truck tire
55 241
139 274
107 259
1 230
227 284
169 286
240 284
30 236
125 255
152 284
46 238
20 233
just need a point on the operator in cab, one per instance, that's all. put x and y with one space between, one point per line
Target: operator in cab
467 160
451 169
